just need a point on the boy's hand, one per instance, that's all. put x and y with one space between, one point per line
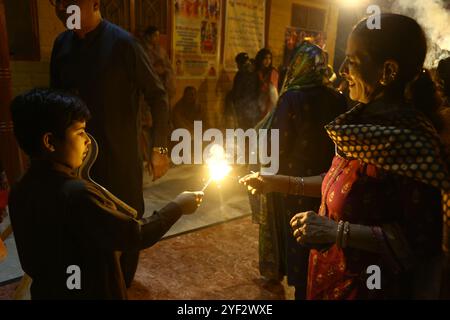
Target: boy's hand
189 201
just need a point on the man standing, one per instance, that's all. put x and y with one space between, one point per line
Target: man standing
108 69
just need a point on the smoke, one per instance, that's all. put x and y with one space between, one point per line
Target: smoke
435 19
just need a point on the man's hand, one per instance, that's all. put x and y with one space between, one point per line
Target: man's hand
159 165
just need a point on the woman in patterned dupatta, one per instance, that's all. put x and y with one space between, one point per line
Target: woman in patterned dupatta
306 105
383 197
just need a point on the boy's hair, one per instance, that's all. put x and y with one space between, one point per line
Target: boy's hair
39 111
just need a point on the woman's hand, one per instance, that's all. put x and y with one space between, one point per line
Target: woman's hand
260 184
310 228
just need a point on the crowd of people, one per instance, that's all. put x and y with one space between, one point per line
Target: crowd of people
357 186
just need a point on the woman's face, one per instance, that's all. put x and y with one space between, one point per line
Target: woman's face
359 71
267 61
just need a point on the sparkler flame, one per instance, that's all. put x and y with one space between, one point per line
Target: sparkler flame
217 164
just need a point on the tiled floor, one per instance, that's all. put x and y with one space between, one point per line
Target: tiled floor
216 263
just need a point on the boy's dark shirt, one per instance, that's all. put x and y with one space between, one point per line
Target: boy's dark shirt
60 220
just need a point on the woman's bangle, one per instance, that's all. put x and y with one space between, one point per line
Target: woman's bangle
339 234
299 186
346 234
296 186
303 186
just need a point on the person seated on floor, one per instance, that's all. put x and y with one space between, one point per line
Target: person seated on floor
69 231
187 110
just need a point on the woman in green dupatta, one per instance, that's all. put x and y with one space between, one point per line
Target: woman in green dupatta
305 106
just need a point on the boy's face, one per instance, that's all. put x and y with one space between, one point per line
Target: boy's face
73 149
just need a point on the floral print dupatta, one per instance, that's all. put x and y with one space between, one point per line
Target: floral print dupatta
397 139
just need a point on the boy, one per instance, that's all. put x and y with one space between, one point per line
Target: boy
62 223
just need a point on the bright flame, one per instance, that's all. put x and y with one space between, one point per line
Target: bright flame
217 163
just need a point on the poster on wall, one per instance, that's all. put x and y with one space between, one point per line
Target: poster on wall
196 41
295 36
244 29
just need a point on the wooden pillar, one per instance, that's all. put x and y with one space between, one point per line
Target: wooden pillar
267 23
169 28
133 17
9 151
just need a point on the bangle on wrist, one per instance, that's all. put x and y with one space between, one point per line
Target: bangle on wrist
345 235
299 187
339 233
302 181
